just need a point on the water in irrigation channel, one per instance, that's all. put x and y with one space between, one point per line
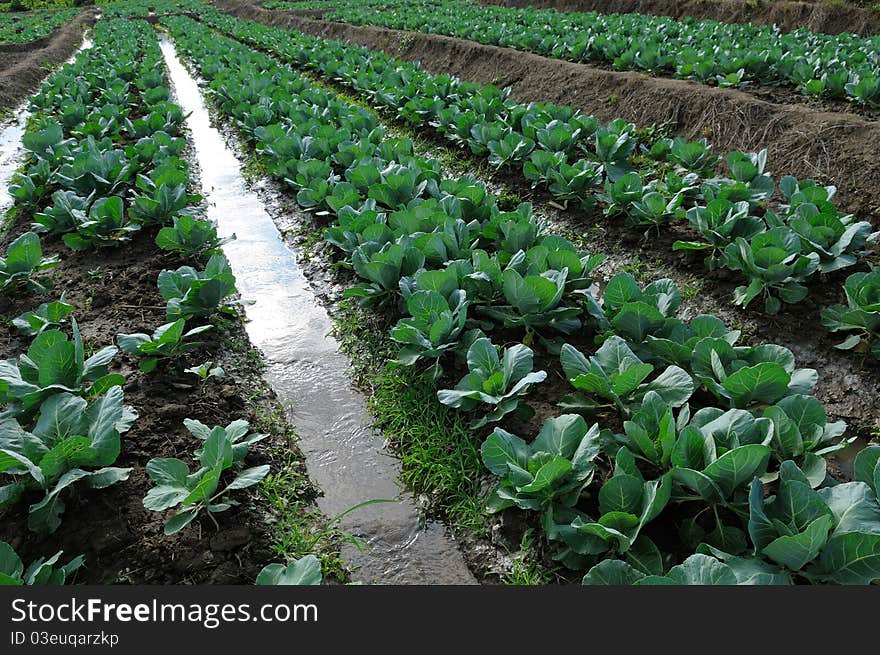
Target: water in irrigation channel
343 455
11 148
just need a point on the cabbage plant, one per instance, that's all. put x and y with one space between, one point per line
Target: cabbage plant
222 451
497 381
775 265
554 468
860 316
24 259
73 442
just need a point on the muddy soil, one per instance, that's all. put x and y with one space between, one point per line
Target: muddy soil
24 65
816 16
835 148
114 291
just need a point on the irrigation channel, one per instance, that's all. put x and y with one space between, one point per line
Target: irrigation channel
11 148
344 456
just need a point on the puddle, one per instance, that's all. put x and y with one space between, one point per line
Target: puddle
11 150
11 153
343 455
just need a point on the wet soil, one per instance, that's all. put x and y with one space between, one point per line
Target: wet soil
819 16
835 148
24 65
114 291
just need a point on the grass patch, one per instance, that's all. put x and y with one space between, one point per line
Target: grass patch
527 569
644 270
9 219
254 169
236 342
692 287
440 457
308 241
301 528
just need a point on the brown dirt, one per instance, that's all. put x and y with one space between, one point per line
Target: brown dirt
815 16
839 149
779 95
24 65
112 291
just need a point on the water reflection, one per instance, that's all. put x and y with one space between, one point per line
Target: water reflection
344 456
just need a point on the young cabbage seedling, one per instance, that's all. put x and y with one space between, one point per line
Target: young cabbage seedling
222 452
190 292
616 374
554 468
168 341
494 381
54 364
191 236
72 443
24 258
206 370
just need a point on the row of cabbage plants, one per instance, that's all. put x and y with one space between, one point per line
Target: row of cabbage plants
777 234
711 463
105 149
844 66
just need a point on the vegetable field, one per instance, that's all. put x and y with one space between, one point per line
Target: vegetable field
602 351
838 66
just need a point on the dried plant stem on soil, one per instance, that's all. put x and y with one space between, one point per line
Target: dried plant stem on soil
836 148
23 66
818 16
